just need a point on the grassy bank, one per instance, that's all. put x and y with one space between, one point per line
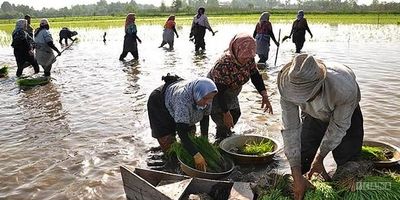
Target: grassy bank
118 21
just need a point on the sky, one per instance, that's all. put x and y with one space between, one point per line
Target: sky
39 4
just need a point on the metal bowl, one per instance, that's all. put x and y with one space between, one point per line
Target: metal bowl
238 141
208 175
385 163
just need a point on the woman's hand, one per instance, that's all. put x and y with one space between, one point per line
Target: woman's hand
200 162
228 119
265 103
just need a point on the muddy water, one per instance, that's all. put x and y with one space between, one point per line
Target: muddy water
67 139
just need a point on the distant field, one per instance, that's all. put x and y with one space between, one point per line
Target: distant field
110 21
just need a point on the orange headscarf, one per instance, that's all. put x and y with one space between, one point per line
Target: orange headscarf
170 23
130 19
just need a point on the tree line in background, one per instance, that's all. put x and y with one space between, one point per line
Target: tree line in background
189 7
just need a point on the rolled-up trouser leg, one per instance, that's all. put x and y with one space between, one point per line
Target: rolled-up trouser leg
222 130
166 142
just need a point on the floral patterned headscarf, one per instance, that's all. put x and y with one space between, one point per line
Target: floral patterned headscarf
242 45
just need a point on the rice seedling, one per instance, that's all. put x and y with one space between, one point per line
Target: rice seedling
382 185
274 194
3 71
214 159
323 191
33 81
376 153
258 147
279 187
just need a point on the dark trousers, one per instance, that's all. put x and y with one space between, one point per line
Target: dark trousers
299 45
135 55
199 39
21 59
313 130
263 58
223 131
66 40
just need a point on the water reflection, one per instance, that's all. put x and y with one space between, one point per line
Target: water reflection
42 110
200 60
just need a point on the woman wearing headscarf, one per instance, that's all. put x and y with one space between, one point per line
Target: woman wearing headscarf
198 30
168 33
45 47
262 33
176 107
235 68
299 28
23 48
130 44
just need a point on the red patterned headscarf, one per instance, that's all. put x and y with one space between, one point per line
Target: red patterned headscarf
242 45
130 19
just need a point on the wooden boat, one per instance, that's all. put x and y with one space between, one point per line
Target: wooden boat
146 184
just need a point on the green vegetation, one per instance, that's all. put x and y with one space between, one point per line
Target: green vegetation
323 191
376 153
385 187
382 185
211 154
258 148
29 82
104 22
278 188
3 71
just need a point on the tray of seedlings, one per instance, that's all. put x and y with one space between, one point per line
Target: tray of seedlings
382 154
250 149
218 167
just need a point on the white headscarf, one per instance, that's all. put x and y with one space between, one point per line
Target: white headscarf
264 17
21 24
44 22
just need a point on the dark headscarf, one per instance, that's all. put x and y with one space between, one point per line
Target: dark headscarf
200 12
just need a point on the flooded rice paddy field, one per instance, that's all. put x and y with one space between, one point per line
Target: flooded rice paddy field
67 139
